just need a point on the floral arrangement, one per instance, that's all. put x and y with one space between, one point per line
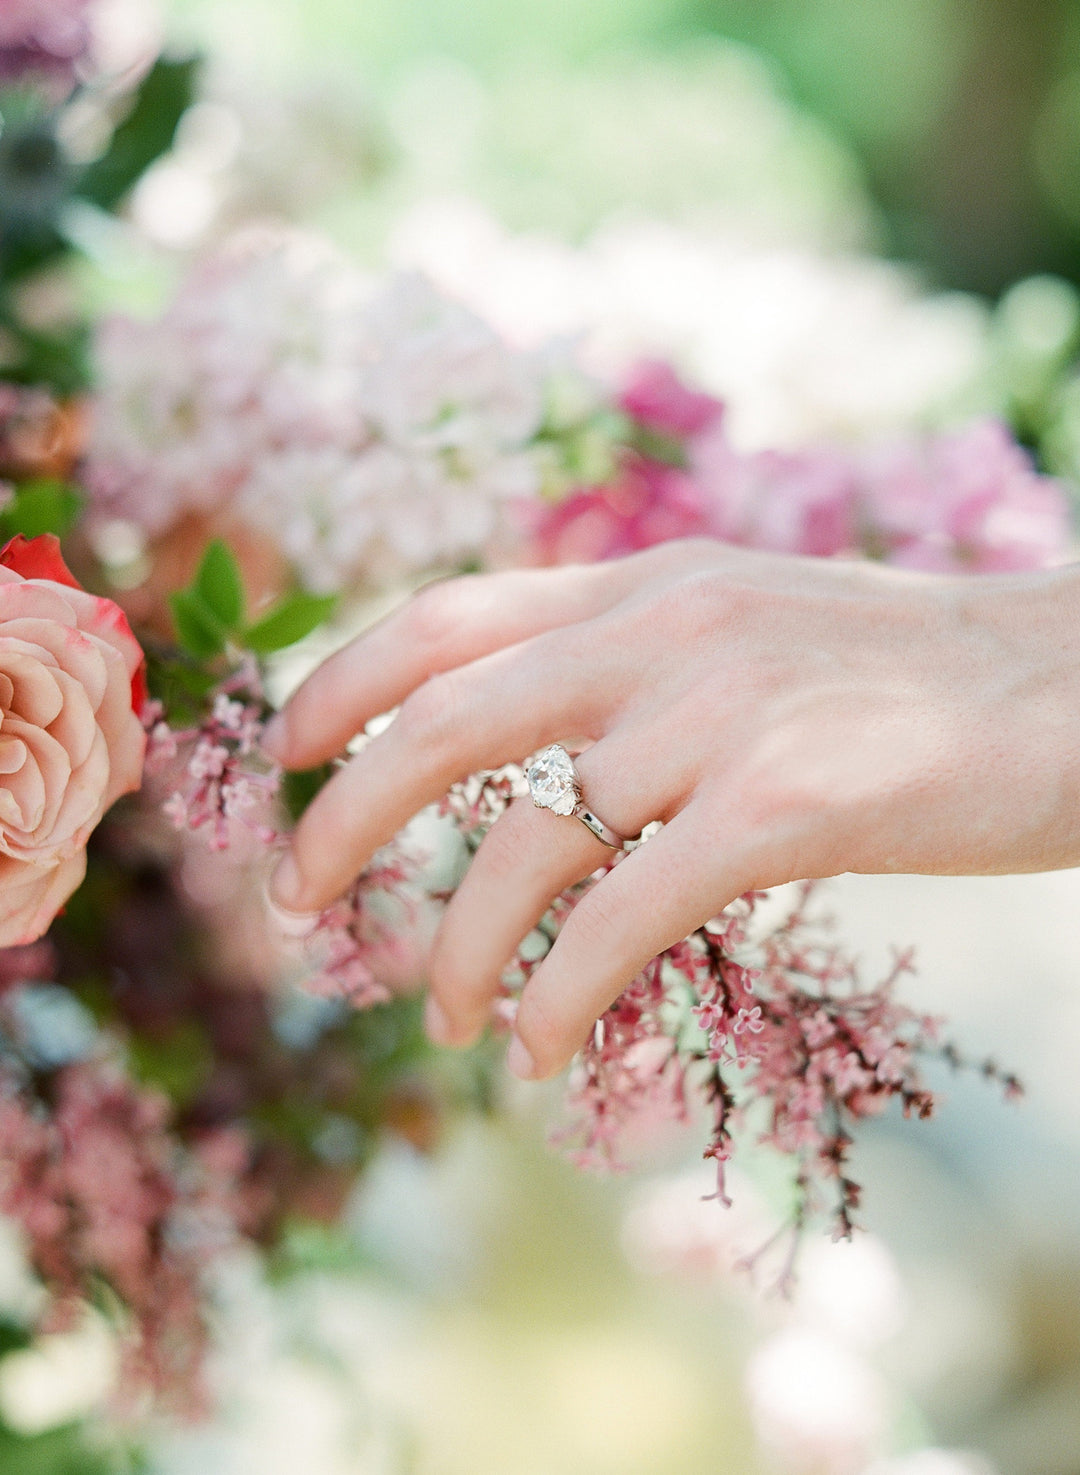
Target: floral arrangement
228 478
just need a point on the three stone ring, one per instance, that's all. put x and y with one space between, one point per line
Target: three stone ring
554 784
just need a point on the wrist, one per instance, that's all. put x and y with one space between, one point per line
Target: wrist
1031 652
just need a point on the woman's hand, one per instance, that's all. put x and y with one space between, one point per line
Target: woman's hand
784 717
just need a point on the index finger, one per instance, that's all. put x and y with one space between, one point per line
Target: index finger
446 624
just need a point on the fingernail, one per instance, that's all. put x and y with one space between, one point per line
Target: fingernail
285 885
518 1060
293 925
290 924
436 1022
273 739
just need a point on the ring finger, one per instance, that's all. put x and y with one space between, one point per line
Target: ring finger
477 717
528 858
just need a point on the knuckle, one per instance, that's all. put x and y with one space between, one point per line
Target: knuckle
597 926
431 716
434 611
681 551
542 1034
502 848
710 597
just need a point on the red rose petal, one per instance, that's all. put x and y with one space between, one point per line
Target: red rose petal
38 558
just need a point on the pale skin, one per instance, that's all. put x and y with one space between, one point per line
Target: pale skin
784 717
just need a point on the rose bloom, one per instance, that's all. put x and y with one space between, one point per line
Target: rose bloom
71 742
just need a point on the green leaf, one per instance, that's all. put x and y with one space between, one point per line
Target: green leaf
300 786
296 616
218 585
44 506
198 629
181 686
144 135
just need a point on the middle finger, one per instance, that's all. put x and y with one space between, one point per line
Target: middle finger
480 716
526 859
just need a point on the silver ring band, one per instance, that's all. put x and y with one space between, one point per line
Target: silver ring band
554 784
602 831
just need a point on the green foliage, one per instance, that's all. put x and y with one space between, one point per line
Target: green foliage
13 1336
144 135
35 179
199 631
290 620
178 1064
209 613
61 1451
42 506
181 685
211 608
218 585
306 1246
300 787
58 358
39 181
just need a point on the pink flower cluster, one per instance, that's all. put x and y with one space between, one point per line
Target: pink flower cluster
351 943
223 783
98 1186
782 1019
740 1014
968 499
361 435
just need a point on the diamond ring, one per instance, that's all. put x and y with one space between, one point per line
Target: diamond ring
554 784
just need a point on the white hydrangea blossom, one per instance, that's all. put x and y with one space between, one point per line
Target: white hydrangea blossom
366 433
803 344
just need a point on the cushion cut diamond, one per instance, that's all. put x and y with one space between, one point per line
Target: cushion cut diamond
552 781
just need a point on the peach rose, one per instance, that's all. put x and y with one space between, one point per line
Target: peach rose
71 742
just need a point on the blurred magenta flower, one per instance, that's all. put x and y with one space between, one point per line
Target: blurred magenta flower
658 399
43 38
968 499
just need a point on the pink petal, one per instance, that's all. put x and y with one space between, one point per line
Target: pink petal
35 695
31 896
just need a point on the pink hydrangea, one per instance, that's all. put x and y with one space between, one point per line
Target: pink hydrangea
650 502
969 499
364 435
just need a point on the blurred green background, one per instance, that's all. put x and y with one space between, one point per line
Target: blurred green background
963 114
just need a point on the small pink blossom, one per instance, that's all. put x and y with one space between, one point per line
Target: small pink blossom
103 1193
224 777
351 944
658 399
749 1019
